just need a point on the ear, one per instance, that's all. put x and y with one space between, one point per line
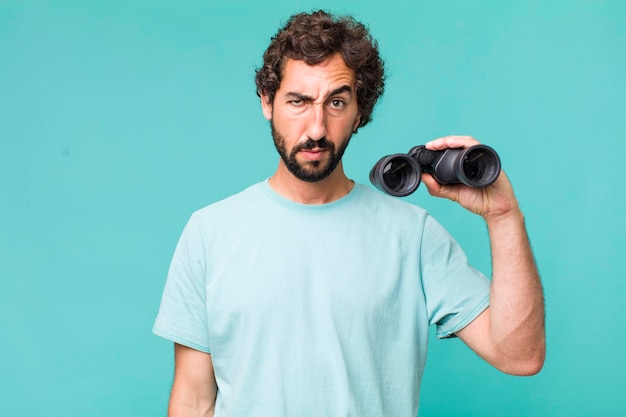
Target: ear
266 106
355 126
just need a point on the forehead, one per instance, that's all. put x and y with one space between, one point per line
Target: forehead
328 74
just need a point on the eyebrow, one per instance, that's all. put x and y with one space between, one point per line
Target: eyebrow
305 97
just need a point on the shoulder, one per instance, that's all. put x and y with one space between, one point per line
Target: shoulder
220 217
397 212
382 202
243 200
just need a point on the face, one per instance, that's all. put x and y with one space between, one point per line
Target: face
313 116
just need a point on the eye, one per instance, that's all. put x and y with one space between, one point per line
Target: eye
337 104
296 103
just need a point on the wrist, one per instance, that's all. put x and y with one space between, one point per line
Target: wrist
512 217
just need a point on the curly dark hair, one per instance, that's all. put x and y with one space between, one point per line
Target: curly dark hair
316 36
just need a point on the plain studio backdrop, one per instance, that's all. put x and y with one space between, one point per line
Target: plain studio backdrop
120 118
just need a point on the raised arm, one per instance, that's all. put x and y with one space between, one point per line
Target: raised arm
194 389
510 334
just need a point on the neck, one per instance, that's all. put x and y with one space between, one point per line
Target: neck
332 188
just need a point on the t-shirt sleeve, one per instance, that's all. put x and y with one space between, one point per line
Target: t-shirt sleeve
182 316
455 292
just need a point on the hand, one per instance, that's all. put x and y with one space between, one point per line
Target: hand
492 202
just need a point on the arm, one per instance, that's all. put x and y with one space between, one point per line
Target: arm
510 334
194 389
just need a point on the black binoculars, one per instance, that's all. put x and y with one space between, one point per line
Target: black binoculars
399 175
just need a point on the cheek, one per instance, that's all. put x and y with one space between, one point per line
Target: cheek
342 128
291 128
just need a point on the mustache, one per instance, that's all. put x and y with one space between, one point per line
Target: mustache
322 143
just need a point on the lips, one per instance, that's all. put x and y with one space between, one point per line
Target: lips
314 154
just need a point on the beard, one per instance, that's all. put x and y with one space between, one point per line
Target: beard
310 171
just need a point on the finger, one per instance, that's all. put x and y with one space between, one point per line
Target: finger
437 190
452 141
431 184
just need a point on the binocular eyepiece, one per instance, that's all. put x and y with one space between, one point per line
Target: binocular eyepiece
400 174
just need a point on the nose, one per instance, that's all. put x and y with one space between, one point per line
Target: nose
316 128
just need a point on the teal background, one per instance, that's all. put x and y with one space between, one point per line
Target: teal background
120 118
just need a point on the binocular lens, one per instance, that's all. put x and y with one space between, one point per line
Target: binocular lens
480 167
397 175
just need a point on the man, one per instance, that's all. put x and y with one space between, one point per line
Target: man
310 295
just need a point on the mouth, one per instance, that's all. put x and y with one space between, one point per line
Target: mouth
314 154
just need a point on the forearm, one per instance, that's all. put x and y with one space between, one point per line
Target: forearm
194 390
516 326
184 405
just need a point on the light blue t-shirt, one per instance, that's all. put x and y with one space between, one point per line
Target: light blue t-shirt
317 310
